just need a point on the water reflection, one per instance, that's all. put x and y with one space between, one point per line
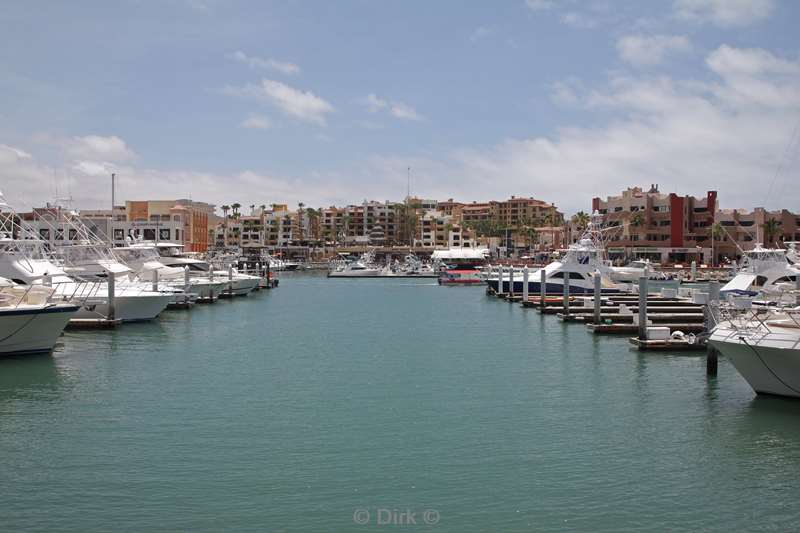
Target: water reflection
28 377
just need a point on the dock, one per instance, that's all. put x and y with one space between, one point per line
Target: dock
93 323
655 317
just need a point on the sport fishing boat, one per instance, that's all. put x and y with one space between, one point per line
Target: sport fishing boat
26 260
456 276
87 257
763 269
30 322
581 262
236 284
411 267
763 347
363 267
144 259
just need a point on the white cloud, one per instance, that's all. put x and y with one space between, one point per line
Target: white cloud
98 147
374 104
578 20
540 5
685 135
256 122
404 111
400 110
9 154
264 63
724 13
728 61
481 32
564 92
644 50
303 105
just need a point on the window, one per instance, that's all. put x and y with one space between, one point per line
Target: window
149 234
59 234
44 233
572 275
119 234
163 234
73 234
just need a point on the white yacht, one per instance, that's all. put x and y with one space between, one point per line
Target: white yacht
762 269
144 259
764 348
30 322
25 259
235 283
634 270
363 267
580 262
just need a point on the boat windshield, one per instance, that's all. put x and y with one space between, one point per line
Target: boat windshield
169 251
137 254
31 249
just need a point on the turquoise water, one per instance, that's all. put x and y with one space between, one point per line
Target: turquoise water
296 409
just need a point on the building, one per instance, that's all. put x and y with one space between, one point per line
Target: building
740 230
666 228
150 217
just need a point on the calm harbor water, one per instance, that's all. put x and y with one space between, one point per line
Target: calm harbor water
329 402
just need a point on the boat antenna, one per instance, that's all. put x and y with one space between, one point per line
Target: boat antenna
111 222
793 140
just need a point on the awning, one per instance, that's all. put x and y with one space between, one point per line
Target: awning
741 283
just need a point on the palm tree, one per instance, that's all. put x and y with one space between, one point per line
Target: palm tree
235 207
225 209
346 223
252 208
716 233
771 229
581 219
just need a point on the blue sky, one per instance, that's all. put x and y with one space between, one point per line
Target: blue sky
330 102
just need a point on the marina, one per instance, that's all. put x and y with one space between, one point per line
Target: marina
516 266
565 428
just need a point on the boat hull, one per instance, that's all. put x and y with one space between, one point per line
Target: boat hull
240 286
534 287
766 366
36 330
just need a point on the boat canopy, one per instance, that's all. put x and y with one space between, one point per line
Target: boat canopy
740 283
461 253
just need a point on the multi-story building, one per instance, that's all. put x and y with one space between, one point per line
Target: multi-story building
663 227
180 221
740 230
154 215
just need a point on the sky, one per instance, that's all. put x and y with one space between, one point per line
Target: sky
330 103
